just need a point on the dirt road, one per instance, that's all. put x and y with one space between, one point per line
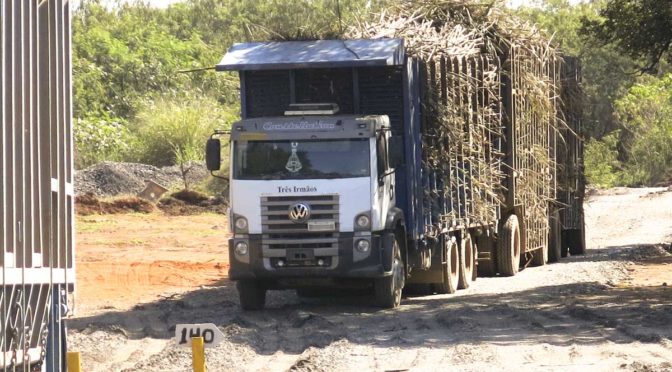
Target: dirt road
608 310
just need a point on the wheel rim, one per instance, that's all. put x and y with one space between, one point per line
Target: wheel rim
397 275
468 256
516 244
454 261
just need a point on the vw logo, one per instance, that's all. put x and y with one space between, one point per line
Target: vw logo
299 212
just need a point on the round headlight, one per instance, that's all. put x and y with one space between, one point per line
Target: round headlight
363 221
241 248
241 223
363 245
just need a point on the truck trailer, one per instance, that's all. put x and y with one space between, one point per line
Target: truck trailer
36 184
358 165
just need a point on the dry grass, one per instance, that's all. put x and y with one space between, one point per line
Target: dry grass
468 50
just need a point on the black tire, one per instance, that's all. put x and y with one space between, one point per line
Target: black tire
388 289
555 238
576 242
252 295
508 247
487 267
467 262
450 267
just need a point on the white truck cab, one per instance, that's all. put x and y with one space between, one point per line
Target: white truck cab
311 199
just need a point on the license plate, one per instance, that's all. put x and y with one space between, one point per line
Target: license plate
300 255
321 226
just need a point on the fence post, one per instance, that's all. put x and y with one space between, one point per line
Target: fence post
198 354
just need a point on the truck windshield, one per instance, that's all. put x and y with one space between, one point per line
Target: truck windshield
274 160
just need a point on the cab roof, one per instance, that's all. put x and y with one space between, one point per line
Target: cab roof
280 55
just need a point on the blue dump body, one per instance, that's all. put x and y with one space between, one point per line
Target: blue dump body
362 76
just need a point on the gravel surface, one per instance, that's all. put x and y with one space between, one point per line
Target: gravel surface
576 315
112 179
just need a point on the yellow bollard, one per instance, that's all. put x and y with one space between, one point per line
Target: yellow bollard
198 354
74 361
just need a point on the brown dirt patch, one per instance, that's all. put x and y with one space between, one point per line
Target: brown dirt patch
88 204
190 196
126 259
189 202
652 272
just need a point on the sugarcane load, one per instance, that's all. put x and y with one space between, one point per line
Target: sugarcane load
431 146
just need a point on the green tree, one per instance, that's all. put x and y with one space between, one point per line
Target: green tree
646 112
123 55
607 73
641 29
601 162
101 138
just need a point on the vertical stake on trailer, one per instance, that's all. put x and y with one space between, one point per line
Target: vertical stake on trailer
198 354
74 361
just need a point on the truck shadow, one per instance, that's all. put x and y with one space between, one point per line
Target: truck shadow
577 313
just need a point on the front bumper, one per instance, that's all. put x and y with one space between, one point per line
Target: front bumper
342 266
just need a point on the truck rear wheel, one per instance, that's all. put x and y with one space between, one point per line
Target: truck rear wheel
388 289
450 271
508 247
466 262
555 238
252 295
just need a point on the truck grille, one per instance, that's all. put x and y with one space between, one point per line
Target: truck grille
280 232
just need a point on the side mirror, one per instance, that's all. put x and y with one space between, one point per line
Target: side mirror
213 154
396 151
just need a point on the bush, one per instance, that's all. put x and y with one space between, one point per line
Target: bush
644 145
601 164
171 131
99 139
646 114
174 130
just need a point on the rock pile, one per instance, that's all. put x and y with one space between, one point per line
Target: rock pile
111 179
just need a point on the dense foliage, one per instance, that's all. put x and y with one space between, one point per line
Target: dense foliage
129 62
627 136
130 91
646 112
639 28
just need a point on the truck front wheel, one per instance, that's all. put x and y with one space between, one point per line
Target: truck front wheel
388 289
252 295
508 247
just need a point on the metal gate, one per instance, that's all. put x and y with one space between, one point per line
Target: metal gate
36 190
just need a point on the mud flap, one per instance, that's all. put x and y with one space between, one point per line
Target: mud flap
386 254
